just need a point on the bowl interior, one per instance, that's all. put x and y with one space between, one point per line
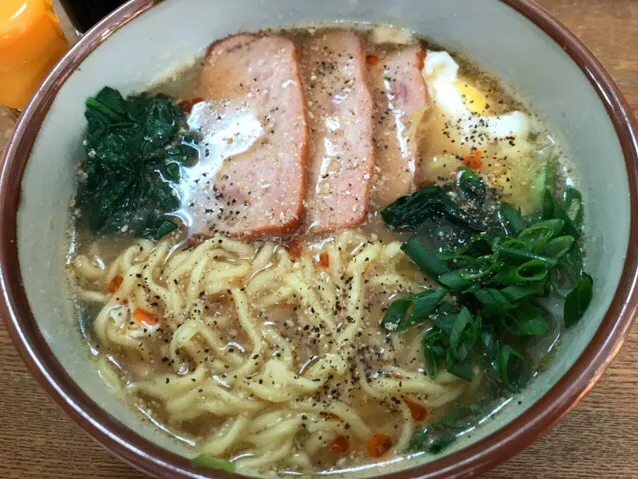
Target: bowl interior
175 32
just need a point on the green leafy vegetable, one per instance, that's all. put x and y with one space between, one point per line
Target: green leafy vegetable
568 272
527 320
573 202
136 148
515 368
553 210
411 310
530 272
577 301
434 350
513 221
558 247
463 335
206 461
496 267
411 211
424 258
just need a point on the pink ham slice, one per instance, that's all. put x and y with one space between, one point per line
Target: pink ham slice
400 98
340 120
259 187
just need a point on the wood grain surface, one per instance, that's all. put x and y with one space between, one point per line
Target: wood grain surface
598 439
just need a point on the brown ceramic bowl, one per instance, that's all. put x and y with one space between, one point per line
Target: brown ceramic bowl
515 39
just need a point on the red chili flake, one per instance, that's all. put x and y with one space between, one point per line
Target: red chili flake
418 410
115 284
324 260
330 416
339 445
295 247
474 161
145 317
378 445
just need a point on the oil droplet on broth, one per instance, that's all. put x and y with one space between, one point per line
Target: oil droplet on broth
229 129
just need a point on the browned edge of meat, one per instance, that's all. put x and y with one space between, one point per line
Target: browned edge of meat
293 218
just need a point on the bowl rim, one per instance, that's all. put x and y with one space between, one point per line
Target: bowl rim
158 462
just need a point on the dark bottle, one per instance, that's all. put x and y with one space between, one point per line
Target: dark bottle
86 13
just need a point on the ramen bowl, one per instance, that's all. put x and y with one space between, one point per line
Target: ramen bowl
146 40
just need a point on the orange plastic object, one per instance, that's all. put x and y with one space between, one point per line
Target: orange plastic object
31 43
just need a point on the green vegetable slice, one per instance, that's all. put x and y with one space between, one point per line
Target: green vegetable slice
424 258
577 301
206 461
530 272
558 247
573 201
514 368
493 277
433 350
528 320
516 251
512 220
553 210
568 272
409 311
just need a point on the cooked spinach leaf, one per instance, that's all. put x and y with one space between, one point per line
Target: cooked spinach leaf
136 148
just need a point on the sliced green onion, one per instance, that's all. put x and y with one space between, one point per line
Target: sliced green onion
462 370
419 307
558 247
529 272
514 368
573 201
577 301
424 258
553 210
494 301
568 272
516 292
527 320
207 461
511 219
433 351
515 251
454 281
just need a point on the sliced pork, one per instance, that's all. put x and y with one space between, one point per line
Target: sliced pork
400 98
340 119
251 180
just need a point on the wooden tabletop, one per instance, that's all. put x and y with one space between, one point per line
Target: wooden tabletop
598 439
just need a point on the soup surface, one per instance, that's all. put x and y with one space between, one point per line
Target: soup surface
321 249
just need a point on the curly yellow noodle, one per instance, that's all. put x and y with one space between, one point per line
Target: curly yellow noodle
229 359
227 435
87 269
